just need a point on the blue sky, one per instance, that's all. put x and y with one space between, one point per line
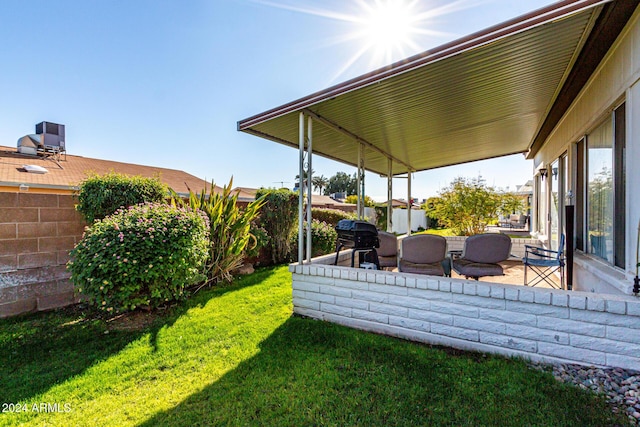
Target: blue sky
164 82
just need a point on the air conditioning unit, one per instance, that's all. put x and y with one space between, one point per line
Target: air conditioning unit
51 136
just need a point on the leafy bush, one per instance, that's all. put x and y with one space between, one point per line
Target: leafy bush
466 206
102 195
142 256
353 199
261 240
331 216
323 240
279 216
381 216
229 234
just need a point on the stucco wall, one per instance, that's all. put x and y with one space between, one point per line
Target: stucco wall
540 324
37 231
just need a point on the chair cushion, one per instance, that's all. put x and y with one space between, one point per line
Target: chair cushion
388 244
476 269
433 269
424 249
388 261
488 248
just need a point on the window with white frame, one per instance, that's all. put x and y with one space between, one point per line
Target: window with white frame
601 190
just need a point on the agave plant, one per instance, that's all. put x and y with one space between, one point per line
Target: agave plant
230 234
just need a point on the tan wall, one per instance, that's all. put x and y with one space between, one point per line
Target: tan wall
37 231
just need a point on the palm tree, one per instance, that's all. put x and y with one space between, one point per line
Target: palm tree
304 179
319 183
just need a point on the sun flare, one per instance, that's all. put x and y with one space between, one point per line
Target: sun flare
388 27
383 31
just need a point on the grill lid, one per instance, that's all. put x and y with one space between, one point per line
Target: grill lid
356 226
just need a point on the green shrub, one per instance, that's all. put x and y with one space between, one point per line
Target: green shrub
279 216
261 239
381 216
143 256
102 195
331 216
323 240
229 234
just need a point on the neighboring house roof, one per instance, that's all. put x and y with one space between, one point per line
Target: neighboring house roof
326 201
245 194
74 169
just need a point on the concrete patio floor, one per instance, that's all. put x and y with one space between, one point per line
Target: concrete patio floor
513 275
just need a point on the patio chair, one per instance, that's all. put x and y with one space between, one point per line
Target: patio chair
544 263
482 254
424 254
388 250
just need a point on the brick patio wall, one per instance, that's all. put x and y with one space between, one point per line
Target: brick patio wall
37 231
540 324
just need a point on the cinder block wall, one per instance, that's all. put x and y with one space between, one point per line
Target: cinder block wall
37 231
536 323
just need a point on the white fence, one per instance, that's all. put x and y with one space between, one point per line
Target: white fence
399 220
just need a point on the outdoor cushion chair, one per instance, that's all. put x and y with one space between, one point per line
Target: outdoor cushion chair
482 254
424 254
388 250
544 263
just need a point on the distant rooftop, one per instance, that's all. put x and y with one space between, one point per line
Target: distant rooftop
72 170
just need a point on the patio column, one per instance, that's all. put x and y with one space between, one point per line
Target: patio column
409 202
360 182
390 195
309 182
300 189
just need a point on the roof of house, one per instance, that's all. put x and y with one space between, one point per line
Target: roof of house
318 200
245 193
72 170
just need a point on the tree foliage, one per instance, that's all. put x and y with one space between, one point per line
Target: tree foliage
320 183
368 201
342 183
466 206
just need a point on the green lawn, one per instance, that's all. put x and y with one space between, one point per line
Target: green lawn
236 356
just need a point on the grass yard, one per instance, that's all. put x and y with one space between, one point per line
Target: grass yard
235 356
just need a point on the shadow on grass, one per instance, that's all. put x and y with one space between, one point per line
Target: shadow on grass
315 373
41 350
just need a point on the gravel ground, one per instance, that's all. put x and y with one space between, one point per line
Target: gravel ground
621 387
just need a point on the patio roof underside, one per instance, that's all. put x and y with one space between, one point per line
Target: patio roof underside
481 97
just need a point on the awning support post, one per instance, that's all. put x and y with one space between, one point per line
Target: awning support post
309 182
390 195
409 203
300 190
360 182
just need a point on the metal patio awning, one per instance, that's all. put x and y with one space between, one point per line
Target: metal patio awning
484 96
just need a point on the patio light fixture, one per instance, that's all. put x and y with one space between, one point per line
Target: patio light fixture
543 173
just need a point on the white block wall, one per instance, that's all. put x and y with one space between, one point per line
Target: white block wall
540 324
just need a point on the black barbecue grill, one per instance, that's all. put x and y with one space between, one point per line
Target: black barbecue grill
359 236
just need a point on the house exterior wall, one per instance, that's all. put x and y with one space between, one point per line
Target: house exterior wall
37 231
539 324
614 81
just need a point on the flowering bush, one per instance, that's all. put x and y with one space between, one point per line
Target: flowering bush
143 256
